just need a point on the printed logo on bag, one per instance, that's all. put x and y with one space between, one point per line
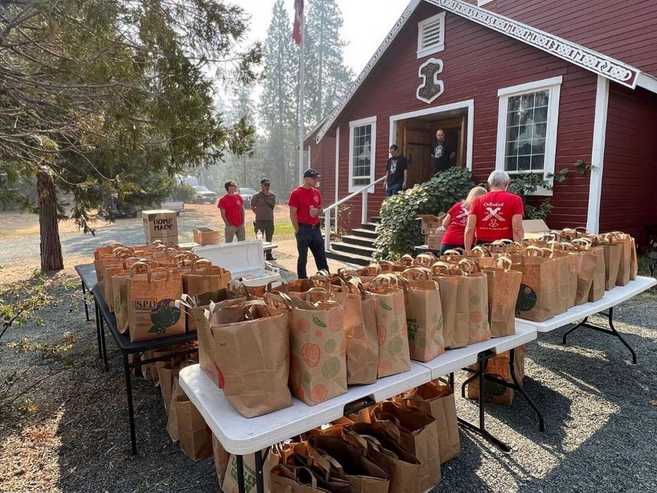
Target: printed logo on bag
412 328
249 475
526 298
163 313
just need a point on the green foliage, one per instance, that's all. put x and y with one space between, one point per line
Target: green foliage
182 193
399 230
525 185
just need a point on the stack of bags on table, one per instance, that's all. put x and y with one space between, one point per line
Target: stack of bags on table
396 446
141 286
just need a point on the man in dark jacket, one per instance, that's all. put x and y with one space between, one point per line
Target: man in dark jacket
262 204
442 154
396 172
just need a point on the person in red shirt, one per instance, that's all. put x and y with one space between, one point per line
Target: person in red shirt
455 220
231 206
496 215
305 204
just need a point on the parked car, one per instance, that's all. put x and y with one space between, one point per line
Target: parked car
114 208
203 195
246 194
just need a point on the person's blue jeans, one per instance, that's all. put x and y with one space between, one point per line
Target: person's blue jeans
393 190
310 237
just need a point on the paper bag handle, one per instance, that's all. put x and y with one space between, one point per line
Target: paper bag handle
406 260
425 260
467 266
480 251
416 273
504 263
440 268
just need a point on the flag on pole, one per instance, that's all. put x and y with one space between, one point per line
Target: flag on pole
297 32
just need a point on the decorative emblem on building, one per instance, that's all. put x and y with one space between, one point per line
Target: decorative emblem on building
572 52
431 87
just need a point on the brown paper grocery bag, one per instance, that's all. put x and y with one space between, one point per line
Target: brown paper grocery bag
634 267
203 277
394 352
418 434
598 283
627 250
383 447
230 484
424 315
152 312
503 289
449 287
221 458
613 253
249 344
359 315
363 474
585 267
187 426
318 350
437 399
499 366
456 315
288 479
479 327
538 299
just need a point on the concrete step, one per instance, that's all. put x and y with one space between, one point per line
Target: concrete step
348 258
358 240
351 248
367 233
375 219
370 226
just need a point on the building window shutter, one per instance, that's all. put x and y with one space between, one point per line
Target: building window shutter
431 35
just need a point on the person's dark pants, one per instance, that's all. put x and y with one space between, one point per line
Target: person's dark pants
393 190
267 229
310 237
444 248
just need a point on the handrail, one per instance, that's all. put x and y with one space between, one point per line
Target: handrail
364 191
353 194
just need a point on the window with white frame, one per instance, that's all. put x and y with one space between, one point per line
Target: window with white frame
362 144
527 127
431 35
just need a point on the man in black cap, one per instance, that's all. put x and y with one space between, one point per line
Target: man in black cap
262 204
305 208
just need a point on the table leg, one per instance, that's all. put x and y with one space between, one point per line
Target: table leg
481 429
103 343
521 391
131 411
611 331
100 347
260 478
240 474
84 301
467 382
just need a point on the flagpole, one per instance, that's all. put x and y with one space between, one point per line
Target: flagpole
301 92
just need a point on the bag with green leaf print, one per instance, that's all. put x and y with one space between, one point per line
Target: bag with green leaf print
318 347
394 352
424 314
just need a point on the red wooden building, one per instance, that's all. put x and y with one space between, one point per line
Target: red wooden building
529 87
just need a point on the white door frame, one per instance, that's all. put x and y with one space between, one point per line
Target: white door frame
468 104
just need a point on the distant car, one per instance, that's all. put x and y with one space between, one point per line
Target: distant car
203 195
114 208
246 194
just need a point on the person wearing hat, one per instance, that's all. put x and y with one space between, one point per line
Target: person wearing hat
263 204
305 209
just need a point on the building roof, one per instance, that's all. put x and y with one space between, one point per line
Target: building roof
572 52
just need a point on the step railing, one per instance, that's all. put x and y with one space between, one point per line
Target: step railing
364 192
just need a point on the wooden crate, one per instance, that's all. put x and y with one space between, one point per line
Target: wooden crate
206 236
162 225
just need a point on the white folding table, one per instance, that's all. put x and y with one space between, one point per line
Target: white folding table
242 436
604 306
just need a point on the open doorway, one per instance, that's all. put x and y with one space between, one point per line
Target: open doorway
415 132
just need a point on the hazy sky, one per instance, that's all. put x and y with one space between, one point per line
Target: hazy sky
366 22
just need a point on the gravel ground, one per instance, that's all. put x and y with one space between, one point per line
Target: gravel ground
63 423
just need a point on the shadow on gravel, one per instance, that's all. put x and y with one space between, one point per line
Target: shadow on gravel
455 476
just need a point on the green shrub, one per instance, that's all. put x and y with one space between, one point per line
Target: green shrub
399 230
183 193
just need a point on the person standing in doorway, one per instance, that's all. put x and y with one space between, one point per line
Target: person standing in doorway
263 204
497 215
231 206
305 208
442 154
396 172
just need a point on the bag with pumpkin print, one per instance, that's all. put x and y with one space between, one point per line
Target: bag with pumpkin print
454 299
390 308
424 314
318 347
246 347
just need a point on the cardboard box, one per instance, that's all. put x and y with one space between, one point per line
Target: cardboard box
534 228
162 225
206 236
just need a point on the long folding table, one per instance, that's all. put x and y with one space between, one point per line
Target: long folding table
605 307
244 436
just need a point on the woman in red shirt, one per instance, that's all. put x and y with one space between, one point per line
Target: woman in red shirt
456 219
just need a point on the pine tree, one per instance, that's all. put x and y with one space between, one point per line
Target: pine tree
327 78
278 102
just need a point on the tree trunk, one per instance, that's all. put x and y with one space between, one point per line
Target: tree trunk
51 247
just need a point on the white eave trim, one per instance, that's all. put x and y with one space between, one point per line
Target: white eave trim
647 82
530 86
